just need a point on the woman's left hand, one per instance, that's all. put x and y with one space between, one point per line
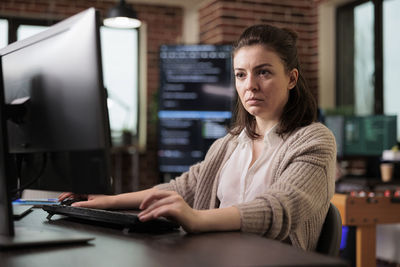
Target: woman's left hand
171 205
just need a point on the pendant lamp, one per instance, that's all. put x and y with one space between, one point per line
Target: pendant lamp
122 16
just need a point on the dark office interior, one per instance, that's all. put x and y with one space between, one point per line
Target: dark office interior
347 49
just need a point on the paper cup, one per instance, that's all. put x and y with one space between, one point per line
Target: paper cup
387 171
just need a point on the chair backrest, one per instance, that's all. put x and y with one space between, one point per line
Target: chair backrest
331 233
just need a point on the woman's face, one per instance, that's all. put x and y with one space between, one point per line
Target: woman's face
261 81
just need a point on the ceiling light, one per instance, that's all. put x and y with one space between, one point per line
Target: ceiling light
122 16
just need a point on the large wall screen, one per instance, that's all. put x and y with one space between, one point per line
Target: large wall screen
195 102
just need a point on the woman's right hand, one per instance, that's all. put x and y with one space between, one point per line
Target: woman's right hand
70 195
122 201
89 201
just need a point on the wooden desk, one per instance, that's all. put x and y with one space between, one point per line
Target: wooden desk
112 247
365 213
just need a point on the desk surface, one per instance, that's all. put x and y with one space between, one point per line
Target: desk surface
112 247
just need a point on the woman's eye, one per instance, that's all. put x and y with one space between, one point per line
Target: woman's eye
263 72
239 75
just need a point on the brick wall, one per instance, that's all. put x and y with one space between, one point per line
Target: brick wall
164 26
222 21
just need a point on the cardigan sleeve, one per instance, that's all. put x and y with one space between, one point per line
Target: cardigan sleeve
197 182
303 184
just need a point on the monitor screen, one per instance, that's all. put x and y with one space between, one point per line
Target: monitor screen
195 102
55 129
363 135
370 135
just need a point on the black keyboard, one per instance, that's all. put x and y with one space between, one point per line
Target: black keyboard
128 220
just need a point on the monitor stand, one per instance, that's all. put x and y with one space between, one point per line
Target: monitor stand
19 211
31 237
12 236
15 236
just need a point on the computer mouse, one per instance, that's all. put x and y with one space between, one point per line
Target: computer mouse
68 201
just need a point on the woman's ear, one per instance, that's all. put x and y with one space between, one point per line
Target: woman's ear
293 76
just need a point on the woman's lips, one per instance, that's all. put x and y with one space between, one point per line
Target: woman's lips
253 101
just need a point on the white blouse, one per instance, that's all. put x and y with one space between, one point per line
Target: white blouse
238 183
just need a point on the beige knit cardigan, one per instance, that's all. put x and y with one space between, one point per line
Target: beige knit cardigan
297 200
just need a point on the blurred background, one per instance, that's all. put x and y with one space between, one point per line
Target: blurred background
170 86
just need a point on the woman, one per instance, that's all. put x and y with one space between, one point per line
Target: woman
273 174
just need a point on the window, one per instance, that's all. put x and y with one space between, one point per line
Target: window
391 59
120 72
364 59
3 33
25 31
368 60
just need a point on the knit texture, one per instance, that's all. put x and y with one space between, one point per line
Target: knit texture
297 200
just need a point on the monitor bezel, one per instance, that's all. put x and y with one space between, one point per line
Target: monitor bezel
9 236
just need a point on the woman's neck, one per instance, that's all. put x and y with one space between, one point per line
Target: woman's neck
263 126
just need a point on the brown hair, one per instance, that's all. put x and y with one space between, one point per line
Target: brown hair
301 108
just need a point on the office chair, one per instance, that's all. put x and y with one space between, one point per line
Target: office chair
331 233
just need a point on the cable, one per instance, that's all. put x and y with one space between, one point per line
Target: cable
17 191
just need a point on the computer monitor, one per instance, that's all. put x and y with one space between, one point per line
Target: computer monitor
363 135
195 102
54 120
